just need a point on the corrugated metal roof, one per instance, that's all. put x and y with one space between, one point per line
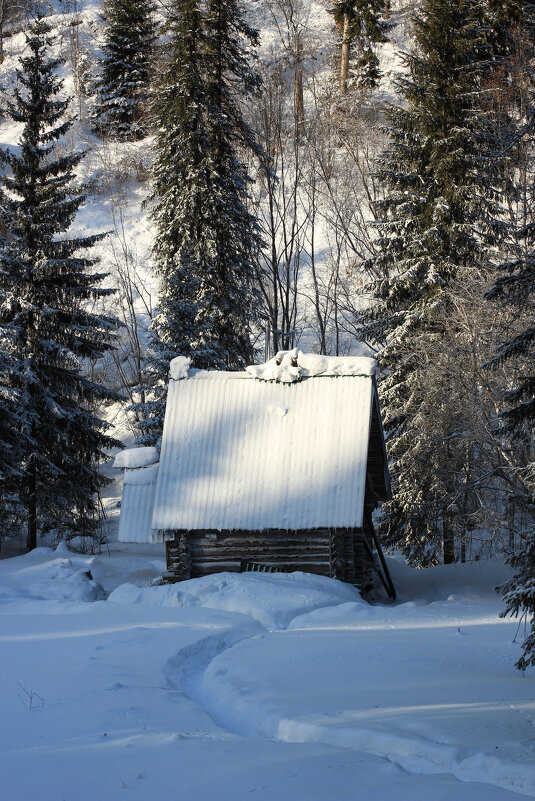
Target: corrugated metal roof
137 505
239 453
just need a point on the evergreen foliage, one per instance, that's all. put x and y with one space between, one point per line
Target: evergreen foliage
506 18
122 88
519 596
10 445
207 240
47 328
514 289
511 35
430 234
363 25
515 286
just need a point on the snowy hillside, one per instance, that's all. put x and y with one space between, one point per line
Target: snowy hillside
285 687
117 173
114 174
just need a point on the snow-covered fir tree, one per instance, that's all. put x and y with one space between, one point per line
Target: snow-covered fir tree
430 234
49 326
10 444
362 24
125 71
206 238
514 289
519 596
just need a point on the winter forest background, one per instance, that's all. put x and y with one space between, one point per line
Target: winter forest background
224 181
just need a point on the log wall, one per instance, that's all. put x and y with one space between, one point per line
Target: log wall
337 553
214 552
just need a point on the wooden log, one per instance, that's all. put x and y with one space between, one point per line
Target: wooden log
338 553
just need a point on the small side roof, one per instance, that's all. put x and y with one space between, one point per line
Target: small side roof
249 451
132 458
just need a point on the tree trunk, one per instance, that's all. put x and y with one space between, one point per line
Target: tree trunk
510 516
344 62
448 538
2 21
463 547
31 540
299 103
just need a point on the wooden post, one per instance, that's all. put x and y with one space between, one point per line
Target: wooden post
183 568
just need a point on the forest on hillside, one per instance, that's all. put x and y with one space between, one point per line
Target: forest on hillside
350 176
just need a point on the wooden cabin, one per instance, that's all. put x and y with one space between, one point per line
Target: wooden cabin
278 467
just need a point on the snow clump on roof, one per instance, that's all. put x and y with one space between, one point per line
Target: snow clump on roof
290 366
179 367
136 457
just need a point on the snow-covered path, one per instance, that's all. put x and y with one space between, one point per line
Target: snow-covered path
273 688
406 684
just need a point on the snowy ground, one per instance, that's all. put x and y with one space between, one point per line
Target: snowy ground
277 688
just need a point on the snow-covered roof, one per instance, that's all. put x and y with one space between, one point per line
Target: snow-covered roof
243 453
133 458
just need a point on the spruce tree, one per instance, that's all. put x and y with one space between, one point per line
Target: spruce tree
206 238
519 595
48 287
10 445
514 289
122 87
362 25
428 236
